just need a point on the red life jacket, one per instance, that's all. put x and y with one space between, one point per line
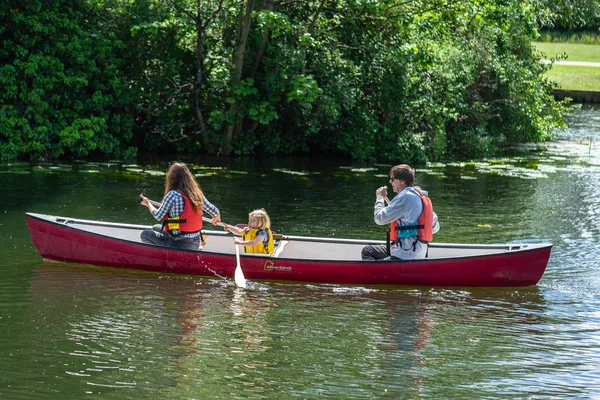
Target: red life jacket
189 221
424 226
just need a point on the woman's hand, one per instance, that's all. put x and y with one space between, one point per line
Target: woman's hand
144 201
216 221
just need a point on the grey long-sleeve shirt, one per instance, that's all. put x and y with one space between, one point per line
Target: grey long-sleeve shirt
405 207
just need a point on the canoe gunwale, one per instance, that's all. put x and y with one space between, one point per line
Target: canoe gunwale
510 247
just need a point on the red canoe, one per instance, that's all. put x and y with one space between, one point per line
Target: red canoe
296 258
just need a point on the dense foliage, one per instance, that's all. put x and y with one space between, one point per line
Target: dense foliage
62 87
389 80
569 14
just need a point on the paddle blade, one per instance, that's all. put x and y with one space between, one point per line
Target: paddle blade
238 276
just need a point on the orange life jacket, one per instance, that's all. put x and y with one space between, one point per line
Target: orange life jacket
189 221
424 227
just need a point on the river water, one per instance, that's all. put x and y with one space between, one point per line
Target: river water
74 331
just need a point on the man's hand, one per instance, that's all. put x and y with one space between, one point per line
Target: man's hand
382 191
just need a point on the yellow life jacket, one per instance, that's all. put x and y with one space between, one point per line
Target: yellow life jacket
250 234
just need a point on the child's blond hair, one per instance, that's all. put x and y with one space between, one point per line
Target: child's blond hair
262 218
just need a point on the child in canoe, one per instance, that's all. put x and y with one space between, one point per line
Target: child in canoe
257 236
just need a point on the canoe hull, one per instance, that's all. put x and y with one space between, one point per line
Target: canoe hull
61 242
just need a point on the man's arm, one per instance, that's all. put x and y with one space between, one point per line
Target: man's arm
436 224
386 215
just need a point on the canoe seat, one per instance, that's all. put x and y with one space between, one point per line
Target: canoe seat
279 248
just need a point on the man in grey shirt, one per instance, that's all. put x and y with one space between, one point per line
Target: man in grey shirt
405 208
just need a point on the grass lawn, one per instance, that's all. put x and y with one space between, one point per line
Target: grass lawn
571 77
576 52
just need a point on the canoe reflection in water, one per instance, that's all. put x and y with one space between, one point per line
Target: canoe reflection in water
113 324
197 335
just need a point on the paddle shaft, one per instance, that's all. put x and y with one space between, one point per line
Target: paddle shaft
238 275
154 203
295 238
206 219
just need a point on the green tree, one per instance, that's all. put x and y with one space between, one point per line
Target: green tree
568 14
386 80
62 91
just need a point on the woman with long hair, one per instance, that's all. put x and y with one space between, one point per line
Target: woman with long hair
181 211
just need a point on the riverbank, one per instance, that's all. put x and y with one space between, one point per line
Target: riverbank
578 96
574 74
577 70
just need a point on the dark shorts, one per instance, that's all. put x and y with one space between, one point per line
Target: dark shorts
378 252
164 239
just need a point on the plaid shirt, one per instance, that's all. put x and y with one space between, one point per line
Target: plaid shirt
173 205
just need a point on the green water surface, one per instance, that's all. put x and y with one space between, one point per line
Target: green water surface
74 331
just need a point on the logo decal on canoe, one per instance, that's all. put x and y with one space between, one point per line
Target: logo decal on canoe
270 266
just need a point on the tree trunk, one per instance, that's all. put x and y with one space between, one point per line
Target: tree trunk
199 64
261 52
198 83
246 19
263 43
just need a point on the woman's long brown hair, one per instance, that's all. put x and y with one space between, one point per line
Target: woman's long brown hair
180 178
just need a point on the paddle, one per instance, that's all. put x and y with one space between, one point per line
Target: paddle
154 203
238 275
